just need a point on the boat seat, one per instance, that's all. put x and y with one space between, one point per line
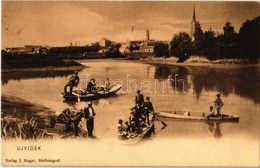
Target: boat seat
187 113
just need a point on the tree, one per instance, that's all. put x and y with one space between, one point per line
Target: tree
230 36
208 39
161 49
226 44
95 47
198 35
180 46
249 36
228 29
113 51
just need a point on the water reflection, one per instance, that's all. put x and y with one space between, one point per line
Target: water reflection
242 81
177 76
18 75
214 128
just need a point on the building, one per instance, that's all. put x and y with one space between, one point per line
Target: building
104 43
29 49
36 49
148 44
124 48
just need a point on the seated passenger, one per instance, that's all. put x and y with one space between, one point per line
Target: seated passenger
107 85
91 87
211 112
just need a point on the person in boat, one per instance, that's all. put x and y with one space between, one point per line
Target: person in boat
211 112
138 114
89 114
127 126
148 108
120 127
74 80
122 130
91 87
218 104
107 85
139 99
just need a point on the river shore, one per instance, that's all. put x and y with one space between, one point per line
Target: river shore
51 68
199 61
19 108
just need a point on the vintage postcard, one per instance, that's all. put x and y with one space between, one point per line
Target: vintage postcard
130 83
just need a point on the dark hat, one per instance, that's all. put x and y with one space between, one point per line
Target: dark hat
218 95
210 107
138 91
126 122
147 98
120 121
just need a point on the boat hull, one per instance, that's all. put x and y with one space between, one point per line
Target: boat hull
197 116
144 135
88 97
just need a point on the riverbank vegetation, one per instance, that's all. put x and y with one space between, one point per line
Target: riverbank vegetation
17 61
227 45
24 120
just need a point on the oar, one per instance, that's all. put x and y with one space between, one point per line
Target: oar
163 123
157 118
78 95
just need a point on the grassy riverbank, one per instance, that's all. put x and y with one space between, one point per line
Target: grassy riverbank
19 108
197 61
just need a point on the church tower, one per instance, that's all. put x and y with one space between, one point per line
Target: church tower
147 35
193 24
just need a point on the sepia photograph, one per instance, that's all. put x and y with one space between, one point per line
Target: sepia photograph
130 83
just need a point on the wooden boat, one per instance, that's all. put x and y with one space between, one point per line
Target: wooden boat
200 116
135 139
87 97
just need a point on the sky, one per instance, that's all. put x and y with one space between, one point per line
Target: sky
60 23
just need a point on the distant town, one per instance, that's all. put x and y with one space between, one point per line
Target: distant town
229 44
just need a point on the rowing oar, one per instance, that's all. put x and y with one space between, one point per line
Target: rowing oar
78 95
157 118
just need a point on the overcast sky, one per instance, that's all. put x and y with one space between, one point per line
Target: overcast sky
59 23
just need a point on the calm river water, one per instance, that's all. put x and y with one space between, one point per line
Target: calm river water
194 89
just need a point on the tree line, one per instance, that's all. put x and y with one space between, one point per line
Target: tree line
229 44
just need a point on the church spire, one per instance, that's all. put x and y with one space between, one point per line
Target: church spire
194 15
193 24
147 35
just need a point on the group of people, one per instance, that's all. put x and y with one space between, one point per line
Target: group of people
69 117
139 118
91 86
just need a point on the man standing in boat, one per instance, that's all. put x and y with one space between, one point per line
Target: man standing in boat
89 115
218 104
148 108
139 99
74 80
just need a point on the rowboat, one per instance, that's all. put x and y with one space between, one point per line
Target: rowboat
89 96
200 116
135 139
